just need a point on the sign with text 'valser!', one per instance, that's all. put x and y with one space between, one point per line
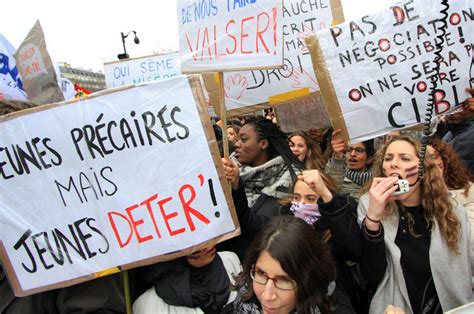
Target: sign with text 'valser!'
250 90
112 182
229 35
375 72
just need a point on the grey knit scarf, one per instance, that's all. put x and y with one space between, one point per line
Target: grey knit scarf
273 178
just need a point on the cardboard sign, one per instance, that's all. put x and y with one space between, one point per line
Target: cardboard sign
375 73
141 70
302 114
250 91
37 69
109 183
229 35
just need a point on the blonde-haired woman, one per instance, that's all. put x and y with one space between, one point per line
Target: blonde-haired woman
415 246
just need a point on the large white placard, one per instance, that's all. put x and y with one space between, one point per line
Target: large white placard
380 66
301 18
107 181
229 35
141 70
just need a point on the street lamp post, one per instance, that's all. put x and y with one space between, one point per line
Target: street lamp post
125 55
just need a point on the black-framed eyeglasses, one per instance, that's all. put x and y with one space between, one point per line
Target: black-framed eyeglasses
358 150
282 283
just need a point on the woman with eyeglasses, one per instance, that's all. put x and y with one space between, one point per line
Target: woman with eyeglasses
288 269
315 201
350 165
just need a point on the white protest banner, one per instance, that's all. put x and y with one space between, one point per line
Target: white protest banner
229 35
375 72
117 180
302 114
37 69
141 70
11 86
301 18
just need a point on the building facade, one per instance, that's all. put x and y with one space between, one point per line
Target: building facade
93 81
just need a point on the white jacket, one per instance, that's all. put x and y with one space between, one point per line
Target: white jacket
451 273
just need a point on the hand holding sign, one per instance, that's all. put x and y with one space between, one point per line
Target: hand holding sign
338 144
232 172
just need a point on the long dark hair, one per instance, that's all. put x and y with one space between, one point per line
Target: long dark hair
278 143
302 255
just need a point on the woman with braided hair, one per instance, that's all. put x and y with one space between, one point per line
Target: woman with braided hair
267 169
267 165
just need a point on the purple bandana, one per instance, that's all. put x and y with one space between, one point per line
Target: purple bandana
308 212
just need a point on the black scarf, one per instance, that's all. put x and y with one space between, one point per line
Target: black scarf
180 284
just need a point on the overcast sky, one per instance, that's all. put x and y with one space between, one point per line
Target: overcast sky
87 33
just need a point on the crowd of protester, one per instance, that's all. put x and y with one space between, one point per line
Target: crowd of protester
323 230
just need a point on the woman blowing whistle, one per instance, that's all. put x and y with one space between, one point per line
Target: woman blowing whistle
415 244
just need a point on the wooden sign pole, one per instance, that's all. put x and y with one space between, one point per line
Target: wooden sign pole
126 287
225 142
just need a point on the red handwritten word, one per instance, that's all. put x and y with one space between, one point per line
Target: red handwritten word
206 45
33 68
441 105
153 210
28 53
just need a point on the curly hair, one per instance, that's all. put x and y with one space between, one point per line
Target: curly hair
456 175
434 197
301 254
314 158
